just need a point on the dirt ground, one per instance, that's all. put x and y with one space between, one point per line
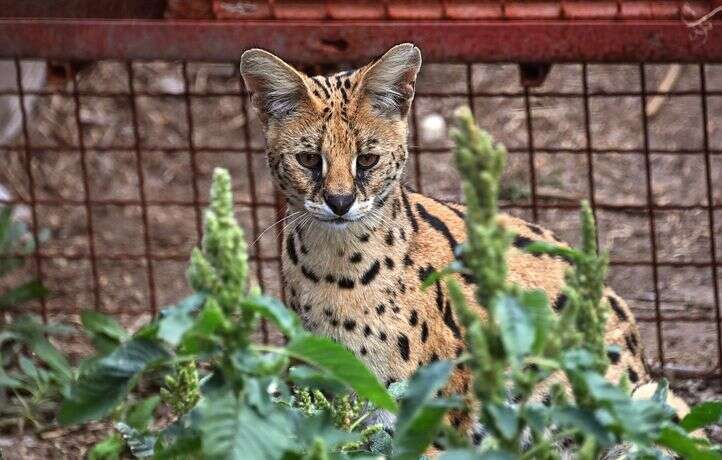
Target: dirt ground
561 166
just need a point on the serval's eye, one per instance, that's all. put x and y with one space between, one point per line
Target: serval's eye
309 160
367 161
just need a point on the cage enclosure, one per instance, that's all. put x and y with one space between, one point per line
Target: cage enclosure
617 102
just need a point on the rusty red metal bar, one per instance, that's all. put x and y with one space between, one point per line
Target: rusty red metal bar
358 41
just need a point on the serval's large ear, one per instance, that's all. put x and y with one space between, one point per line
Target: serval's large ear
389 82
277 89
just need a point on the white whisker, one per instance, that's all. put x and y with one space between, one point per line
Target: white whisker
273 225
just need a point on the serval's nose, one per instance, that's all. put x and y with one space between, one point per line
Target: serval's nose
339 203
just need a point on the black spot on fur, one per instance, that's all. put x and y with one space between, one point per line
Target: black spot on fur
434 357
460 214
450 322
364 238
327 312
395 308
382 336
371 273
403 343
390 238
414 318
349 325
632 344
367 331
334 322
355 258
409 212
363 351
559 302
330 278
309 274
389 262
547 399
424 272
613 356
535 228
439 297
380 309
307 307
633 376
455 420
614 303
521 242
291 249
346 283
407 261
438 225
388 384
424 332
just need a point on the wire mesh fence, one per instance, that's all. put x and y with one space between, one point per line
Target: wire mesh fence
113 160
116 163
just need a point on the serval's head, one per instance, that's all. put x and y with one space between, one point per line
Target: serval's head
336 145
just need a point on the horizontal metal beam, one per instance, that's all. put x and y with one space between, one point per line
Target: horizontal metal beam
307 42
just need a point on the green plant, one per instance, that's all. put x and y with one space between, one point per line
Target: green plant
33 373
522 343
239 405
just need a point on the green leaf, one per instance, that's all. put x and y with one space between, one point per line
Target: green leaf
8 381
505 419
320 426
584 420
470 454
343 365
23 293
232 429
680 442
516 325
99 324
660 394
273 310
542 247
307 376
177 319
105 382
702 415
108 449
31 331
420 414
140 415
202 336
188 447
140 445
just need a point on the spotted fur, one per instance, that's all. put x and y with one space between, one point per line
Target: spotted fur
359 277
